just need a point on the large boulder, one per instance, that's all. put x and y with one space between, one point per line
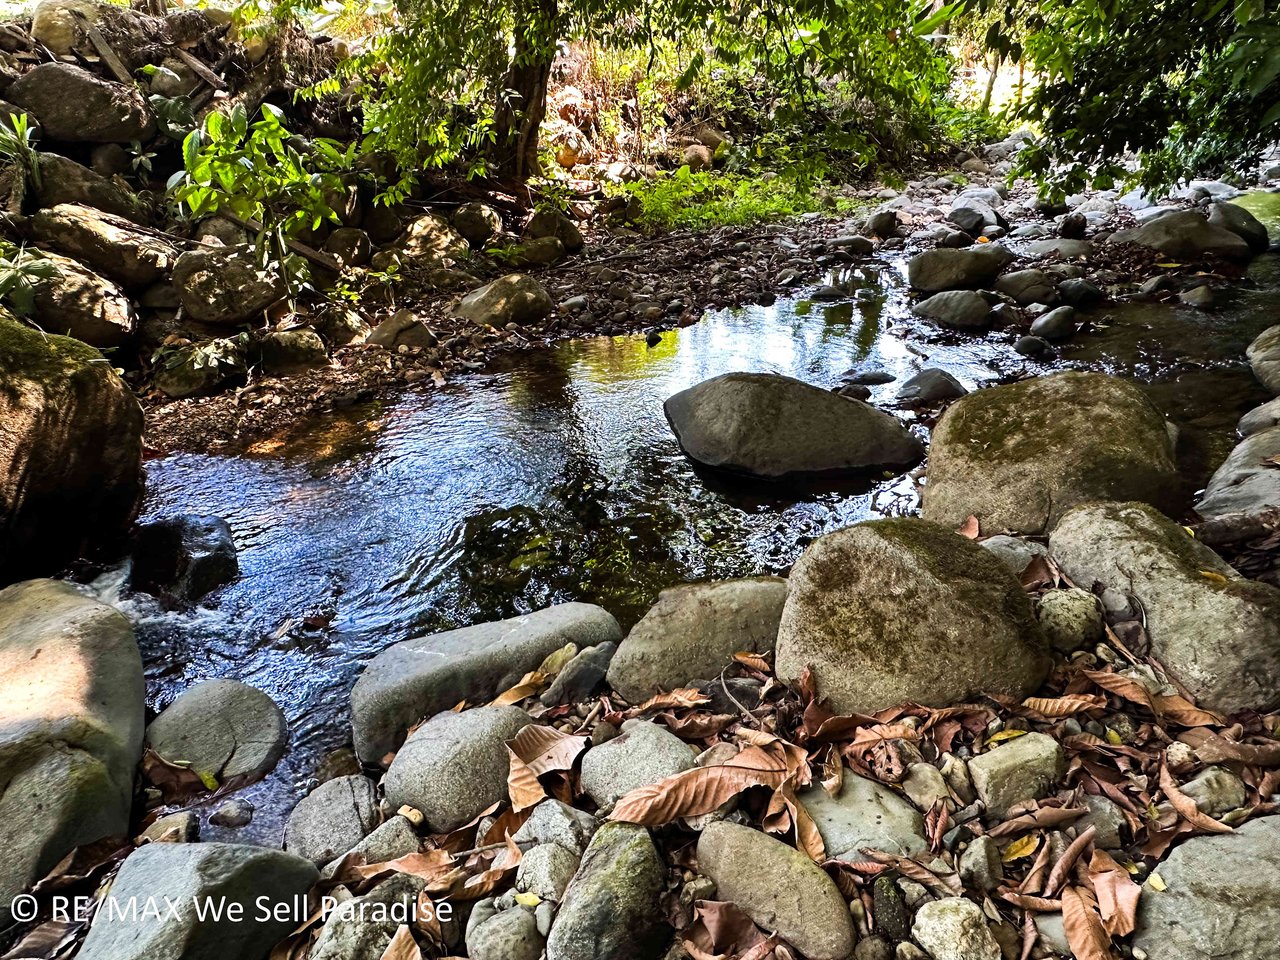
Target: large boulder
63 181
1264 358
71 684
774 427
225 287
184 881
1018 456
221 729
70 451
1248 480
1217 899
75 105
612 908
692 633
901 610
1242 223
515 298
183 558
1215 632
936 270
77 302
419 678
1185 234
431 238
779 888
111 245
455 765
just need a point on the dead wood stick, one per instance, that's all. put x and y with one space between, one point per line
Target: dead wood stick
200 70
1232 528
105 51
310 253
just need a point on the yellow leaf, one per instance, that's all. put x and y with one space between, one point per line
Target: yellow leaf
1113 738
1004 735
528 899
1213 576
1168 266
1190 533
1022 847
208 779
556 661
529 684
1156 882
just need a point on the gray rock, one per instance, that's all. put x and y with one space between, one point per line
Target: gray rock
404 328
963 309
1264 357
558 823
285 352
1034 347
1018 456
233 814
1260 418
63 181
430 238
1024 768
692 633
454 765
391 840
77 302
71 685
77 106
1108 819
1219 635
611 910
183 558
895 610
1201 297
1071 619
1217 791
551 223
332 819
362 928
515 298
225 287
180 827
1058 247
1014 553
925 785
936 270
774 427
1219 899
187 372
350 246
980 864
954 928
1057 324
542 252
190 874
477 222
1185 234
972 214
109 244
420 677
509 935
779 888
1246 482
581 676
932 385
1028 286
545 871
222 729
1052 933
864 815
1242 223
1080 293
645 753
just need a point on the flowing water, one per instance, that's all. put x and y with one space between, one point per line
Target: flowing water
554 476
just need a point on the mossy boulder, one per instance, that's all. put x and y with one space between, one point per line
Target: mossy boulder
1247 481
70 451
901 610
1018 456
111 245
1215 632
773 427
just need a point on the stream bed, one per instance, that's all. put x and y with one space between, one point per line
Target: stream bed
554 476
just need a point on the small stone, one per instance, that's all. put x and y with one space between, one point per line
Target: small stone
1217 791
234 813
1035 347
1108 820
1017 554
955 929
889 906
510 935
545 870
925 785
864 813
1053 935
558 823
1024 768
931 386
1071 619
180 827
1200 297
980 865
645 753
873 948
1058 324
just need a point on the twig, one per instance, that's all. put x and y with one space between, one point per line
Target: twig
113 62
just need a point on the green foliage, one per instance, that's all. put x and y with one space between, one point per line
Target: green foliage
970 127
18 145
707 199
21 270
225 354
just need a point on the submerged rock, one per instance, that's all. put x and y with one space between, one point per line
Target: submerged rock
421 677
72 689
936 270
191 876
183 558
773 427
896 610
1018 456
1215 632
70 451
692 633
1026 287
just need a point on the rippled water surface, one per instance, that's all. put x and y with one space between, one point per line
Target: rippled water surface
555 477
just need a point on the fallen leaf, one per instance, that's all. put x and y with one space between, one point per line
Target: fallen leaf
529 684
1065 706
402 946
556 661
702 789
752 660
1186 807
522 783
546 749
684 697
1004 735
1213 576
1022 847
528 899
1085 933
1156 882
1116 892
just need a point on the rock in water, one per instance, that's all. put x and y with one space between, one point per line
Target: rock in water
1185 234
692 633
936 270
1018 456
779 888
418 678
515 298
455 765
71 685
896 610
1242 223
963 309
1218 898
73 104
611 910
773 427
192 875
70 451
183 558
1217 633
1247 481
1264 358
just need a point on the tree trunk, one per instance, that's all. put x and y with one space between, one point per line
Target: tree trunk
522 103
991 83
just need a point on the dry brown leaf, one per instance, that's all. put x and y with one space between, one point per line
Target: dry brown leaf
1061 869
1217 749
1036 819
546 749
1085 933
1116 892
427 864
947 885
1065 706
522 783
703 789
1124 687
752 660
1182 711
684 697
1186 807
529 684
402 946
721 929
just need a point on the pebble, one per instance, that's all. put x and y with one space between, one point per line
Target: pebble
234 813
1024 768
